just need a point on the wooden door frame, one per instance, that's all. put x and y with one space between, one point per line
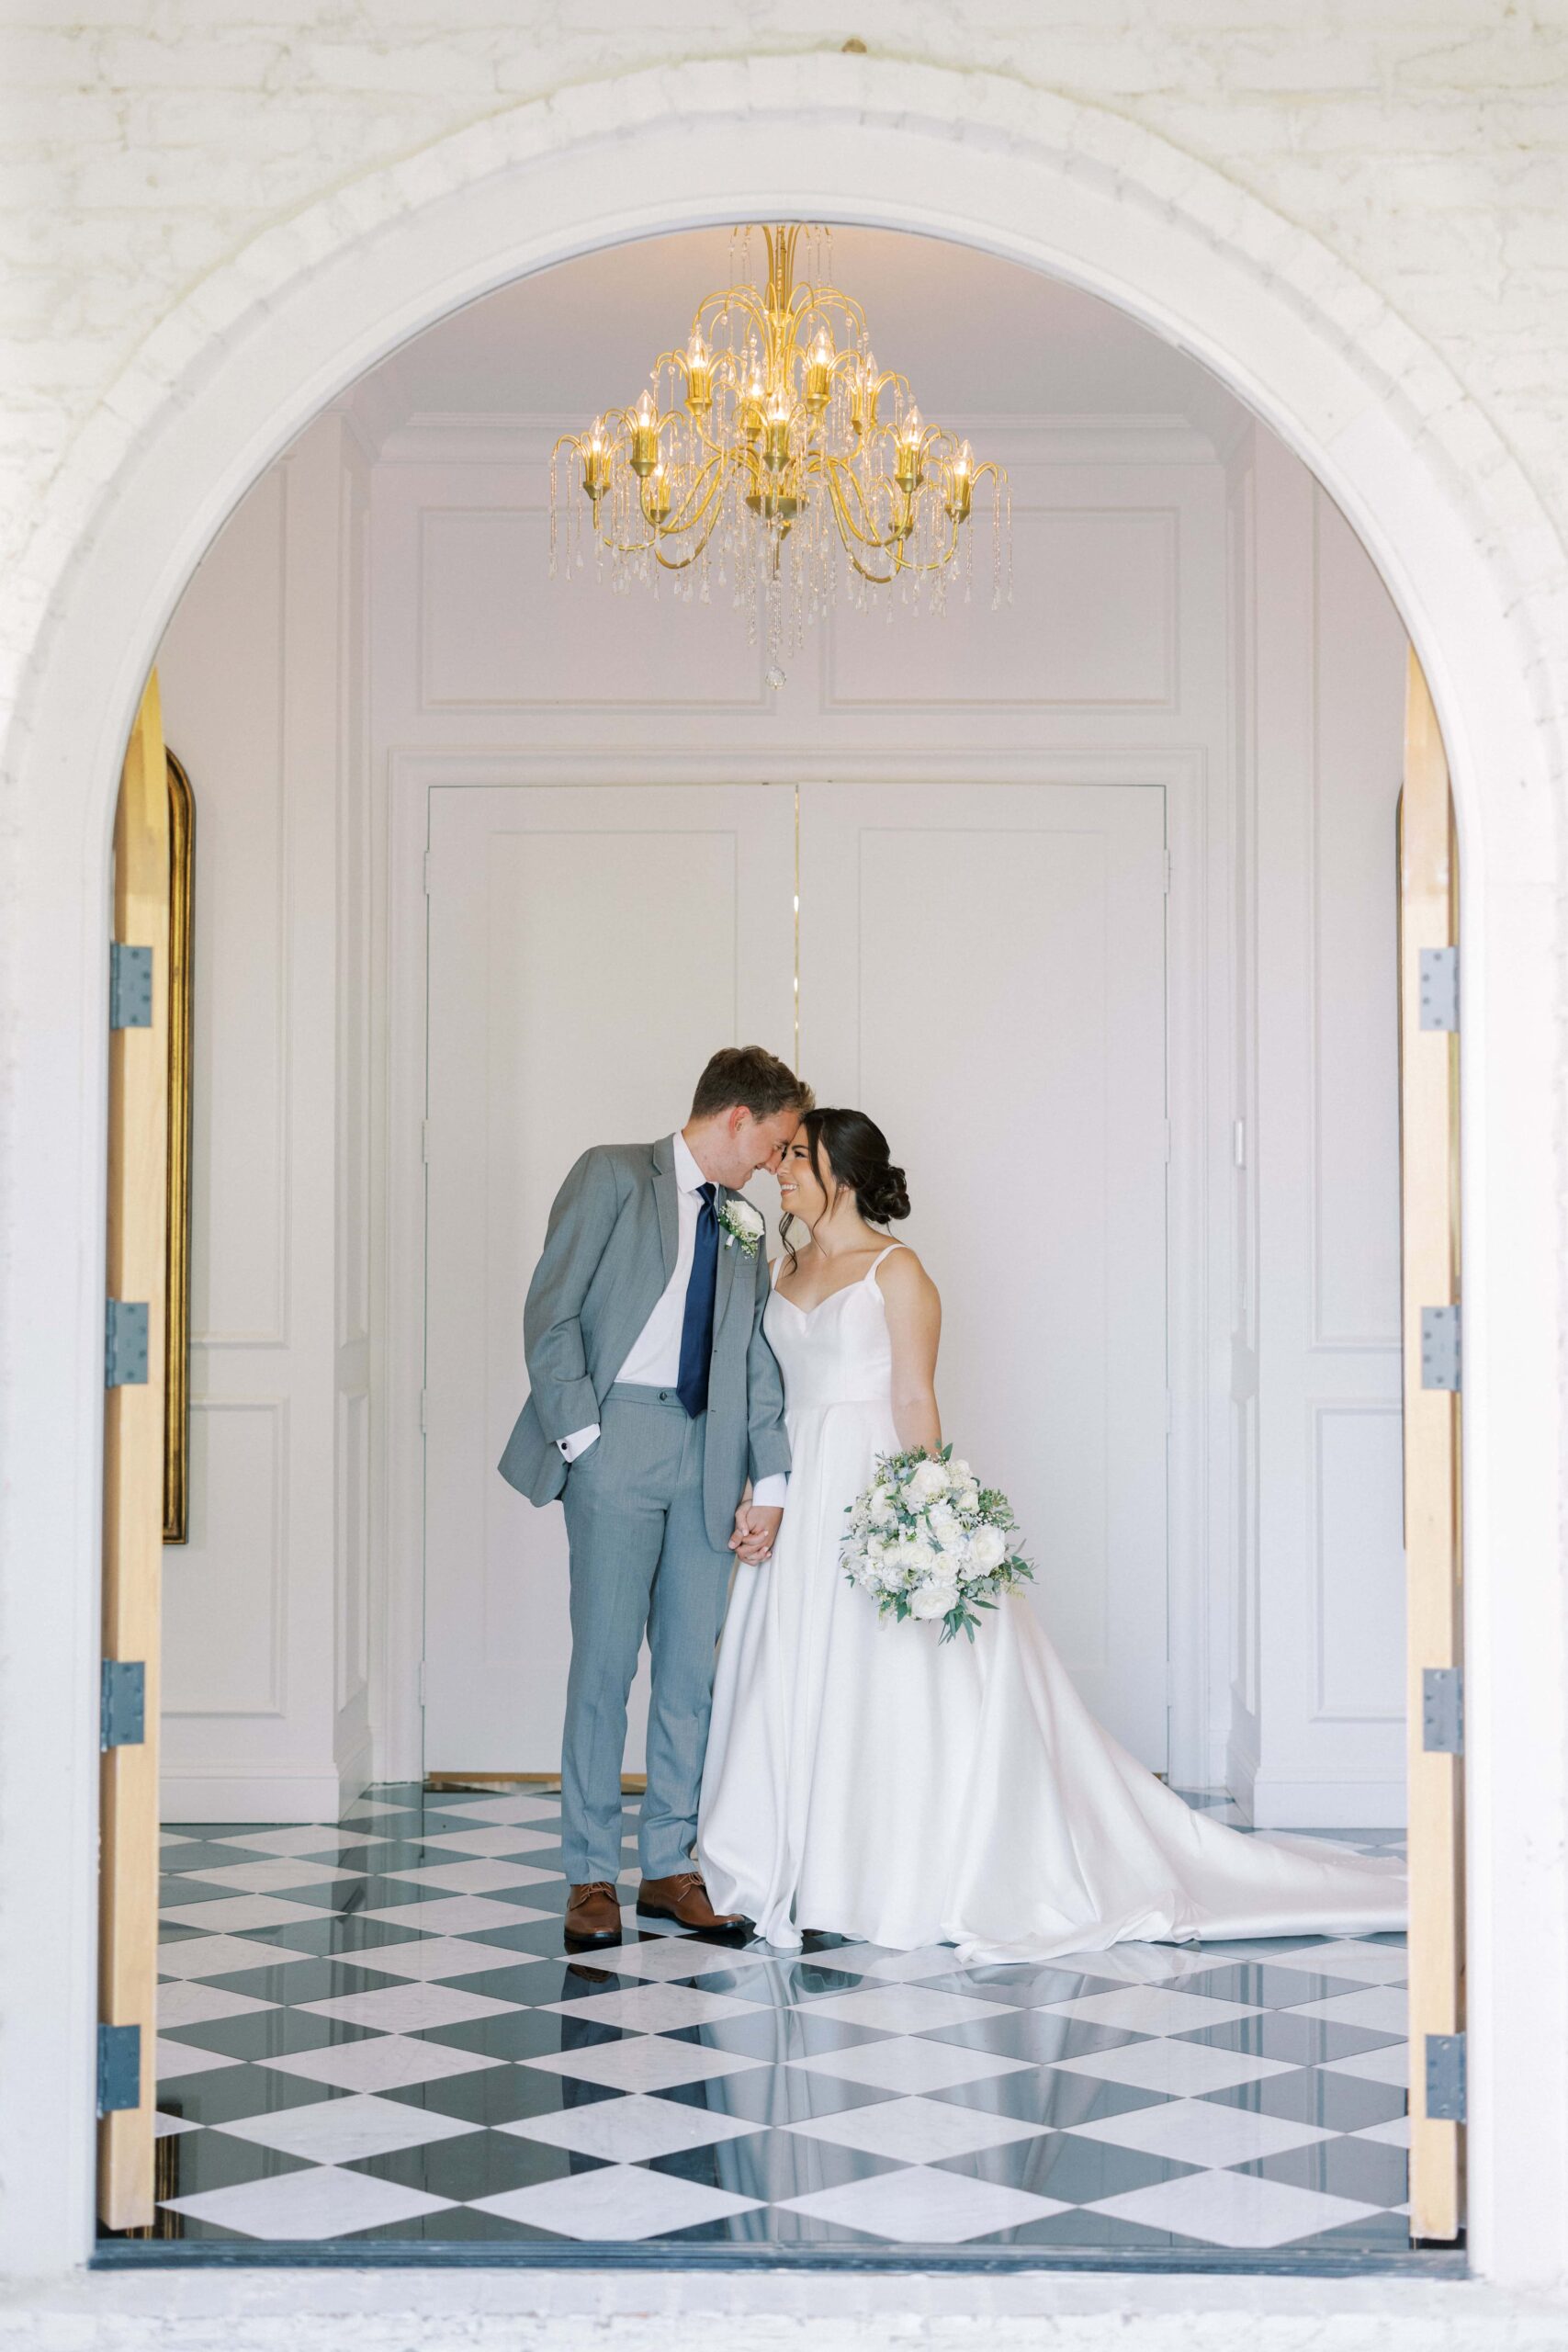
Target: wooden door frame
136 1271
1430 1266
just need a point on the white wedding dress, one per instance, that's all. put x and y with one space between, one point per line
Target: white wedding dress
865 1780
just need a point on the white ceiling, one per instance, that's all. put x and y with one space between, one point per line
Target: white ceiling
977 336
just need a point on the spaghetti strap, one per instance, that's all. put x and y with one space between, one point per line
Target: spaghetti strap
871 1270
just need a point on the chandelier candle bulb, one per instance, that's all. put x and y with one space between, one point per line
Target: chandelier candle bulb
645 437
699 375
764 430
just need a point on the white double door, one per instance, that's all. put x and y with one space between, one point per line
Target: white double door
980 968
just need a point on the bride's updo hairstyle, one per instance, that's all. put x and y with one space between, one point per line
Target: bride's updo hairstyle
856 1151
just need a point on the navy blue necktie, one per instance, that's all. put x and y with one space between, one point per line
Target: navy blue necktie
696 1328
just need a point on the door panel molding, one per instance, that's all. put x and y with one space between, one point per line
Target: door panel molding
1199 947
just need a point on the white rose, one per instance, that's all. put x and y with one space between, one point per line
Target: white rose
967 1497
961 1473
929 1480
942 1522
987 1549
881 1506
916 1557
934 1600
747 1219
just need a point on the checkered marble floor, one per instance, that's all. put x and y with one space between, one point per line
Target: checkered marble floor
373 2030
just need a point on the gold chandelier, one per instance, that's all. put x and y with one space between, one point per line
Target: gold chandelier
768 446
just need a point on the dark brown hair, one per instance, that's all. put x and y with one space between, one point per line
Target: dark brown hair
856 1152
751 1076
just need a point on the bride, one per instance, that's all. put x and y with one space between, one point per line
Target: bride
866 1781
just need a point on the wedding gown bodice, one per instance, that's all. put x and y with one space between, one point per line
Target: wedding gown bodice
837 1353
866 1778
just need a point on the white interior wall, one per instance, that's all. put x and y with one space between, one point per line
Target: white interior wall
264 1610
1115 660
1318 1667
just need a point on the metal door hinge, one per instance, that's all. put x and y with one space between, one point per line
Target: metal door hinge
122 1704
1442 1710
130 986
119 2068
1445 2077
125 1342
1440 988
1439 1347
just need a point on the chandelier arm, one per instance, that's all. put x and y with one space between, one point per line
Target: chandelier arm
744 298
696 502
684 563
838 477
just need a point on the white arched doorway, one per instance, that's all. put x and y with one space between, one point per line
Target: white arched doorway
227 380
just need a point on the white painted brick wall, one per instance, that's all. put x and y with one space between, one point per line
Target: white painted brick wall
1425 142
1422 145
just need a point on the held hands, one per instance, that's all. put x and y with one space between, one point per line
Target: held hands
755 1531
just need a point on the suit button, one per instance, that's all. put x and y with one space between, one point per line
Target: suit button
664 1396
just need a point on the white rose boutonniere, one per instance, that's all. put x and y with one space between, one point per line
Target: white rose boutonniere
742 1222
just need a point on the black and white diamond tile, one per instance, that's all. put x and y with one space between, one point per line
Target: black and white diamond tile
373 2030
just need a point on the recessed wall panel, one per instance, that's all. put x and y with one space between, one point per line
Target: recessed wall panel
496 632
1360 1564
1092 622
223 1591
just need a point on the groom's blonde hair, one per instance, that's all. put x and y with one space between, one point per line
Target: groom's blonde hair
752 1077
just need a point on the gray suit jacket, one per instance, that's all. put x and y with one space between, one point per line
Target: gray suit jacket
609 1251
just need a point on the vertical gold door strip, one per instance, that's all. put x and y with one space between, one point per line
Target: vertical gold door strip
133 1463
798 930
182 1008
1430 1276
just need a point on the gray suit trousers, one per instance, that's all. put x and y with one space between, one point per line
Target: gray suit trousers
641 1560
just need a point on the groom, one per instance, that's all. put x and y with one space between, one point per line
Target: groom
655 1399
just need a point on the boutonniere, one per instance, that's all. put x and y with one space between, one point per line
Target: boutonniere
741 1223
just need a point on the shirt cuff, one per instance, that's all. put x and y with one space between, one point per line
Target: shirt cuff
578 1442
771 1493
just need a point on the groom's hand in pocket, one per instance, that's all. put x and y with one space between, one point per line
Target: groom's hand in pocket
755 1531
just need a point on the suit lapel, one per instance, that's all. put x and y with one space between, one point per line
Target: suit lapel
727 1253
664 1196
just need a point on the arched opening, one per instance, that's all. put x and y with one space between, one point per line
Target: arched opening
1346 462
1148 804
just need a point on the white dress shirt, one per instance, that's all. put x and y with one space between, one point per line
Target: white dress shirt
655 1358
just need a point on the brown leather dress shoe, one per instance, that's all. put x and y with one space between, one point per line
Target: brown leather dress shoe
684 1898
593 1913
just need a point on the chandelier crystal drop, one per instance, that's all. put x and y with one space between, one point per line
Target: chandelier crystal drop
769 448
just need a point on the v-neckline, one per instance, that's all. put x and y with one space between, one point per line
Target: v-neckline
806 1313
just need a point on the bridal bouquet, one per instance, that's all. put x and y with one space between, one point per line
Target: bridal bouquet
926 1540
